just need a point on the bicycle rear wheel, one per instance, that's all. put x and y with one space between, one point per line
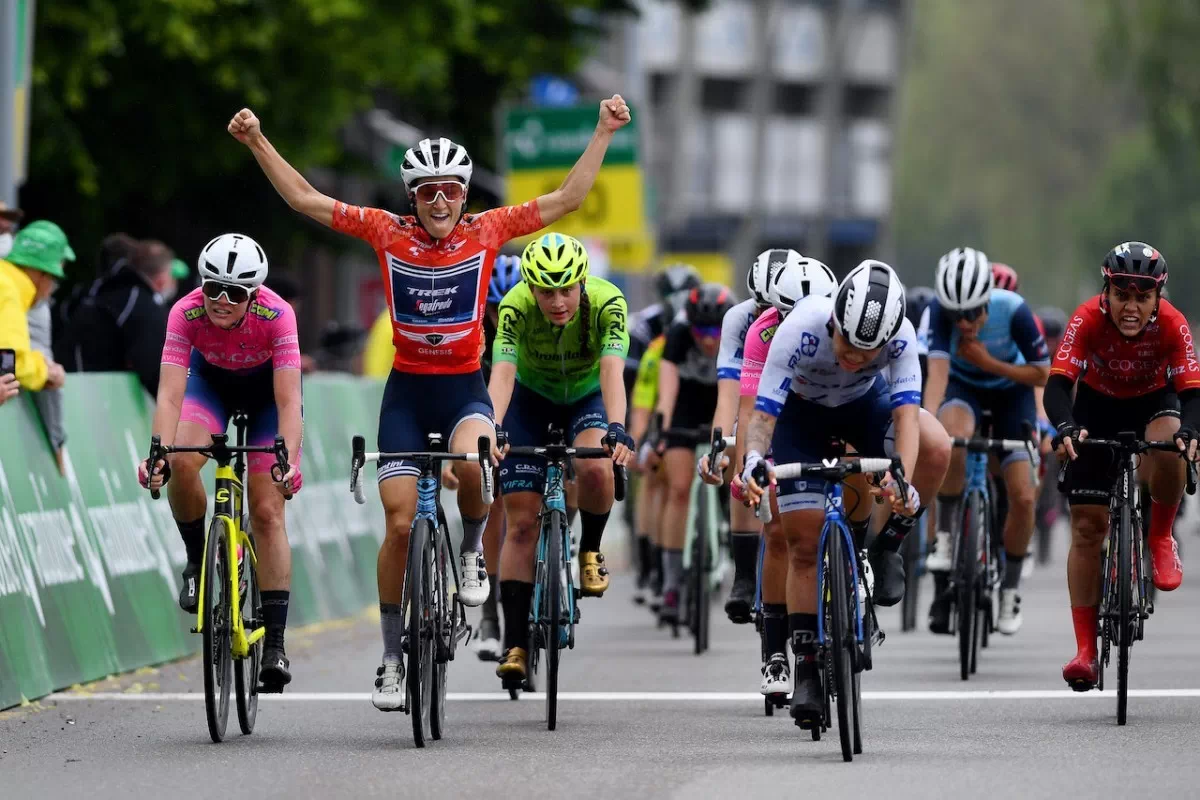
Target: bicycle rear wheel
911 551
1125 621
841 636
700 585
246 672
966 597
217 658
442 627
556 530
420 643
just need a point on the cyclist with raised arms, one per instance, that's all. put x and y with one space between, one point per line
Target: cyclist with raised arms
559 360
687 398
1134 352
232 345
844 367
800 278
743 527
436 266
986 354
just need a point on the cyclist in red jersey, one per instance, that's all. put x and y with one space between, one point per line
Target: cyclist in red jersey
436 267
1135 353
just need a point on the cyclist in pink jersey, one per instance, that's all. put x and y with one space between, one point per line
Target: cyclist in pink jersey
231 345
436 266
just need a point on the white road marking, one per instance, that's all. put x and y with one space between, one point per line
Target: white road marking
647 697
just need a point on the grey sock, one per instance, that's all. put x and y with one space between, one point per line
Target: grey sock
473 534
391 622
672 569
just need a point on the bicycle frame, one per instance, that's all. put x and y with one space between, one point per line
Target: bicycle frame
553 499
835 524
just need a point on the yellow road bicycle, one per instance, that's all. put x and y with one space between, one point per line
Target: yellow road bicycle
230 608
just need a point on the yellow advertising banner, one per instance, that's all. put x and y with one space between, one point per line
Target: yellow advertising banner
614 209
713 267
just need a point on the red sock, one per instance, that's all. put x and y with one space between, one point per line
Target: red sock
1086 624
1162 518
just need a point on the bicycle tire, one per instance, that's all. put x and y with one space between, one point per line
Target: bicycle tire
420 646
701 588
911 552
1125 623
443 626
556 532
968 562
842 637
246 671
217 656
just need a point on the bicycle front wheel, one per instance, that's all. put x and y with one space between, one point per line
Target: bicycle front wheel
246 672
556 531
911 551
966 597
701 567
443 631
217 657
420 642
842 636
1125 620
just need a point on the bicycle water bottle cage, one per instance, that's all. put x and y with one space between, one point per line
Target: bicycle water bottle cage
435 442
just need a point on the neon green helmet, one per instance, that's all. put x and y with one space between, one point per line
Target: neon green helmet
554 261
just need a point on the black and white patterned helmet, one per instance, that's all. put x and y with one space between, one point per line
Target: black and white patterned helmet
435 159
235 259
801 278
964 279
869 306
758 279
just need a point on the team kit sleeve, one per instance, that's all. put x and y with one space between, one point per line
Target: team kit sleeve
612 326
775 385
501 225
373 225
285 341
732 351
1028 336
1182 369
510 327
177 347
939 332
1073 348
758 345
904 367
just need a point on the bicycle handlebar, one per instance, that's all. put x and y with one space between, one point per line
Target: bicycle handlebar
562 452
1131 445
219 447
833 469
359 458
719 444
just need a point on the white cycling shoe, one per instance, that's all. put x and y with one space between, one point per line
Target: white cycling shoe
472 580
1010 619
776 676
389 687
939 559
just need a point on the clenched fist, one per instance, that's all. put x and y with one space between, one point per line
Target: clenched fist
245 126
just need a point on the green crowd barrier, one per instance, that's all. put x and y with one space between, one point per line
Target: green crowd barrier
89 564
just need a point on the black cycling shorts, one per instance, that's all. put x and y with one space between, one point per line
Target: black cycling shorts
694 408
1090 478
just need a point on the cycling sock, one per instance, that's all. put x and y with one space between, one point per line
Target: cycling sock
391 622
1086 623
274 611
775 628
941 581
894 531
193 539
516 597
743 546
1162 518
802 630
473 534
672 569
657 561
593 530
489 605
949 512
1012 571
645 554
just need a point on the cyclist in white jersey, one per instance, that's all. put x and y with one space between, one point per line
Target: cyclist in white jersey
844 368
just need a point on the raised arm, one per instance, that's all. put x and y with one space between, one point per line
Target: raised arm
614 115
291 185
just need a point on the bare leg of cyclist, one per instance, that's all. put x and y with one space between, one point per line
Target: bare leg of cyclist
487 637
680 469
1089 526
399 496
189 504
959 421
274 575
594 479
1166 477
472 570
516 582
777 671
1018 532
744 533
802 529
651 496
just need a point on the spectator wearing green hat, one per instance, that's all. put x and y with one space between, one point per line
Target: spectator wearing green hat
28 276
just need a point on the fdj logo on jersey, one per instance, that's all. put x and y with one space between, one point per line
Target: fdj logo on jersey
435 295
808 344
896 348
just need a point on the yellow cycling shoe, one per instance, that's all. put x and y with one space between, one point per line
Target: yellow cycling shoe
593 575
512 667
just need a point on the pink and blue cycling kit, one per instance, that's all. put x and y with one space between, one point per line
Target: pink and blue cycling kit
235 367
758 345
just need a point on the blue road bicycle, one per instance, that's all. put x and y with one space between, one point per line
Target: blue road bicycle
845 626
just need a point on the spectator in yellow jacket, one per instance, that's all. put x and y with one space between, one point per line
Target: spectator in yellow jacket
29 275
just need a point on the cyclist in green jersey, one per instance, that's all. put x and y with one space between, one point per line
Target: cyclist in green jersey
559 360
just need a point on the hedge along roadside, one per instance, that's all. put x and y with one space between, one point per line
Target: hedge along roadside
89 564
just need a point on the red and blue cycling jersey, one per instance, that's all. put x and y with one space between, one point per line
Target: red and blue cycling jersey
437 289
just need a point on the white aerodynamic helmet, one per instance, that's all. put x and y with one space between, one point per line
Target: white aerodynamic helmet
964 279
869 307
233 258
758 279
801 278
435 159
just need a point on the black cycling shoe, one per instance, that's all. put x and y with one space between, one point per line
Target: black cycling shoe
741 600
189 595
808 701
888 566
939 614
274 674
